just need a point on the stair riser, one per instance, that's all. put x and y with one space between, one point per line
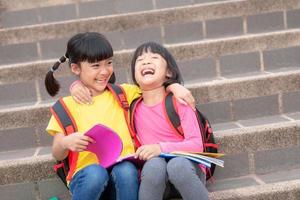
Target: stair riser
200 13
214 59
249 151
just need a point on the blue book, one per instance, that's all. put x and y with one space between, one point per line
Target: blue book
194 159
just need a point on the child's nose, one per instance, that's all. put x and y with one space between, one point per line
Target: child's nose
104 71
146 62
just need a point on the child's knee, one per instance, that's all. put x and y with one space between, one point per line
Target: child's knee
178 165
125 170
96 176
155 171
92 178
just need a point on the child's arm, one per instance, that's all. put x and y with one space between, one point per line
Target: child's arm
192 141
80 93
73 142
183 95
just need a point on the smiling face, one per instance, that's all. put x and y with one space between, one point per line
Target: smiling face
94 76
150 70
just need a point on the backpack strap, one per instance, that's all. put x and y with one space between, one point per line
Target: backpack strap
132 110
171 113
63 117
120 95
67 123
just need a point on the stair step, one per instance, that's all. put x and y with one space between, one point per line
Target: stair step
257 149
150 18
274 185
258 49
224 100
47 11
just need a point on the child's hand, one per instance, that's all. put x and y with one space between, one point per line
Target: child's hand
76 142
183 95
147 152
80 93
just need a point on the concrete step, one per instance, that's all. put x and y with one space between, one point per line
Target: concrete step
258 149
225 100
15 5
259 161
258 16
270 191
198 60
272 186
36 12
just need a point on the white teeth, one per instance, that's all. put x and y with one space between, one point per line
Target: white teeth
147 72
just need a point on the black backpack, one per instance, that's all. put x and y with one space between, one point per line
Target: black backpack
209 144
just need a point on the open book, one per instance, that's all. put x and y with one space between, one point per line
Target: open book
108 148
199 157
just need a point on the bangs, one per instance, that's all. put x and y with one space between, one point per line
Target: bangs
93 48
150 47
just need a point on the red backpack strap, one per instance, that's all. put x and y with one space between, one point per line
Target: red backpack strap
63 117
171 113
67 123
132 110
120 95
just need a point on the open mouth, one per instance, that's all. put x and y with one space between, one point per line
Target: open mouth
147 71
101 80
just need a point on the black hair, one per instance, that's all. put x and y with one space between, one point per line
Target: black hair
90 47
159 49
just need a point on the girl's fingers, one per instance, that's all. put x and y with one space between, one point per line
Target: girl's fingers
191 100
83 98
138 151
77 100
141 155
147 155
82 143
88 95
181 101
187 101
80 148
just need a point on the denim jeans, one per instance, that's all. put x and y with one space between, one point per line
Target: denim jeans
95 182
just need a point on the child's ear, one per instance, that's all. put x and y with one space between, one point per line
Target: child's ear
169 74
75 69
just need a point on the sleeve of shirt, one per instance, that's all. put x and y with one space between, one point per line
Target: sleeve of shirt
132 92
192 137
53 127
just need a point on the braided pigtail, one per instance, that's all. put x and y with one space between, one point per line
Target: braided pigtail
52 85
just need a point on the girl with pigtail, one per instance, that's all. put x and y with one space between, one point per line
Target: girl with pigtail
90 58
153 67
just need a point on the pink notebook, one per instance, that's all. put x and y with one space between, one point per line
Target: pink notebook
108 146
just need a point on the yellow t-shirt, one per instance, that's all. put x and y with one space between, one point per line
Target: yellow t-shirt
104 110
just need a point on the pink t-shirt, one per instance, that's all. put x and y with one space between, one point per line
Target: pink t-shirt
152 128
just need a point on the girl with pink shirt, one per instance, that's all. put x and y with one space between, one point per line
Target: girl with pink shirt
152 67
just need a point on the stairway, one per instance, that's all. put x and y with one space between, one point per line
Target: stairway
240 58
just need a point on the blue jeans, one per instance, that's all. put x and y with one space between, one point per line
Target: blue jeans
95 182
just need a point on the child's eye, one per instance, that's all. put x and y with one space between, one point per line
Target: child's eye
110 62
95 66
139 59
154 57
